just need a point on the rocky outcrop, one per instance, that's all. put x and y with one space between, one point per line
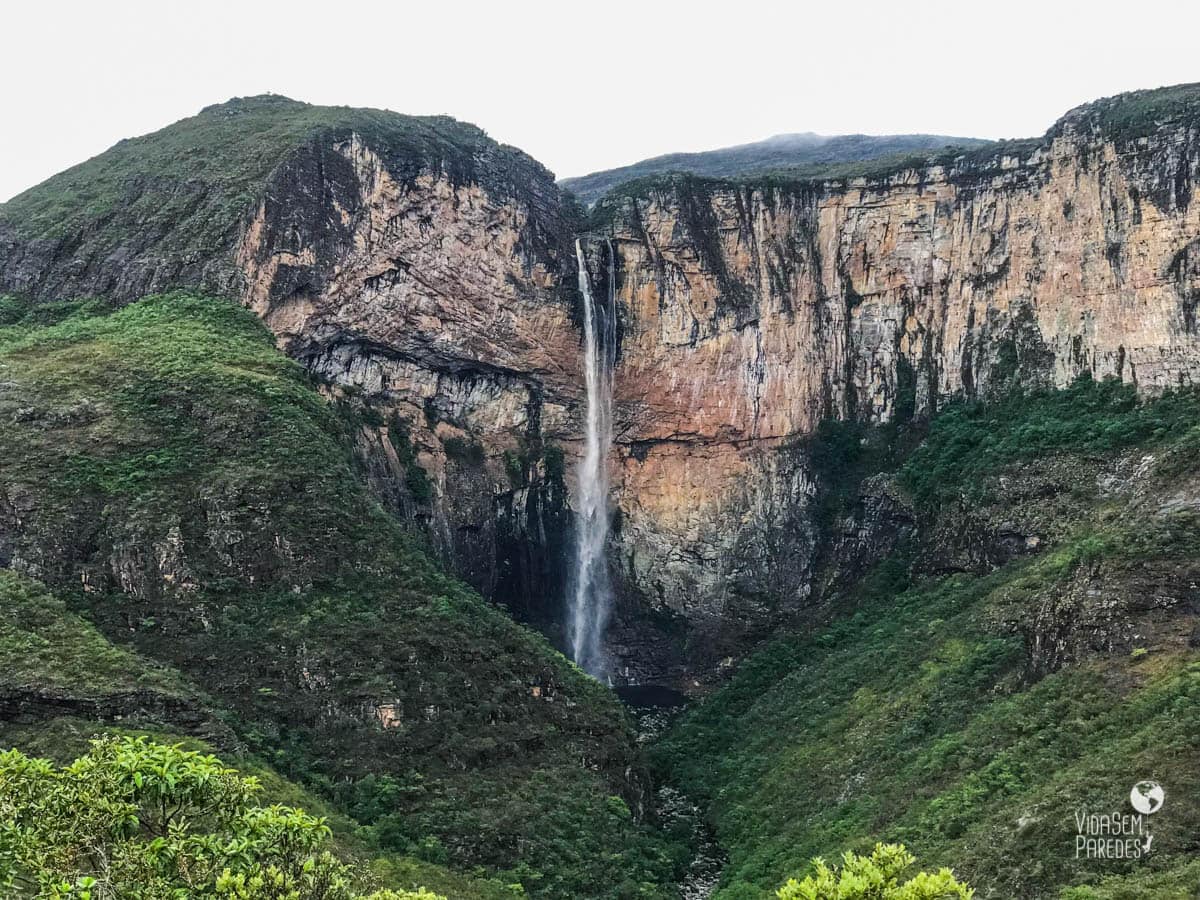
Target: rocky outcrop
25 705
412 264
423 272
438 302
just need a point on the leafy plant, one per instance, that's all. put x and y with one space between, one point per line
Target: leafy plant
874 877
134 818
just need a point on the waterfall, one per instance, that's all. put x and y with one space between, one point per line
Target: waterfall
591 596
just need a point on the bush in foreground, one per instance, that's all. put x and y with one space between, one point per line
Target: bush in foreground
875 877
135 819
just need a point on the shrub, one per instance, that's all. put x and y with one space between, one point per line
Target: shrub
464 451
136 818
969 440
875 877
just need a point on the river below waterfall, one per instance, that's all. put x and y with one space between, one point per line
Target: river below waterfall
654 707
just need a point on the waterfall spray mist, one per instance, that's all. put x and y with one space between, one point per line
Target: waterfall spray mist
591 595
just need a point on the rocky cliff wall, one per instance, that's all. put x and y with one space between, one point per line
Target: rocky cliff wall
751 312
423 272
439 304
426 275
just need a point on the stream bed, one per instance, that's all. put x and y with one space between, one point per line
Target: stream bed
654 707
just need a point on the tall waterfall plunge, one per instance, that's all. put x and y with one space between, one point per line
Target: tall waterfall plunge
591 595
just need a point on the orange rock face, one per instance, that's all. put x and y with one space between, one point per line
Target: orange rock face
427 276
438 303
748 315
751 313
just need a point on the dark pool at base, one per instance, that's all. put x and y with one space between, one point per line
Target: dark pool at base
650 696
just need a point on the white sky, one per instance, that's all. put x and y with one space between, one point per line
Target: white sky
580 86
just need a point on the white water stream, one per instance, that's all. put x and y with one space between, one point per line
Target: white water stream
591 595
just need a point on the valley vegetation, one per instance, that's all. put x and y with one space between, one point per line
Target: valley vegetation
969 714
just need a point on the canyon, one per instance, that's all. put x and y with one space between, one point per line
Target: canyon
437 288
870 491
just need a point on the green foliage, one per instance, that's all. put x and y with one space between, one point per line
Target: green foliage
806 152
134 818
16 313
1175 883
416 479
842 453
11 310
469 453
65 738
517 463
1136 114
43 644
980 160
874 877
914 716
768 168
170 444
514 468
194 182
910 720
968 441
556 466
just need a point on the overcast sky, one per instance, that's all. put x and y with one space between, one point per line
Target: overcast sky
581 86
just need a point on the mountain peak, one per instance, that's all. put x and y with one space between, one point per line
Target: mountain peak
253 103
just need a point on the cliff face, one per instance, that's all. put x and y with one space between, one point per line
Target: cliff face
752 312
412 264
437 301
425 274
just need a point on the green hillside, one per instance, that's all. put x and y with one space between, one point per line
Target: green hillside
193 500
971 715
1124 118
166 210
48 652
197 177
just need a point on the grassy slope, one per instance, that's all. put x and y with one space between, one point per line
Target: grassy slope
916 718
1136 114
172 429
46 646
193 180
